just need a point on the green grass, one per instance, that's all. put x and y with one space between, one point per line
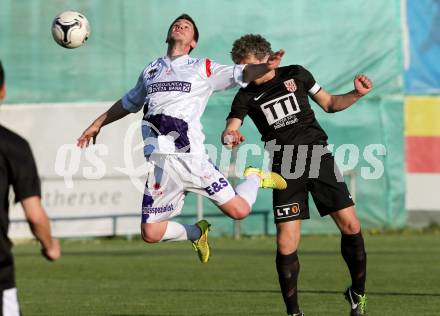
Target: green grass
119 277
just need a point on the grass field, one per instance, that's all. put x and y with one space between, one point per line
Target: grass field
130 278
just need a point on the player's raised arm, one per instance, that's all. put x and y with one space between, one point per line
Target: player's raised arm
115 113
254 71
334 103
231 136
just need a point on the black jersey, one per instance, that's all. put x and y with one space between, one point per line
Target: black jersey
280 107
17 168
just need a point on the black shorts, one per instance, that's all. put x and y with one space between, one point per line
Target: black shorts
321 177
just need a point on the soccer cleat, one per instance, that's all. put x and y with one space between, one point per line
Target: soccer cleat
201 245
298 314
270 180
358 303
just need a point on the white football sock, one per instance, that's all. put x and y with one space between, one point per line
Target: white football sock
248 189
176 232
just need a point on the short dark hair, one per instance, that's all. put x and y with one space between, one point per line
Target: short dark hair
250 44
2 75
185 16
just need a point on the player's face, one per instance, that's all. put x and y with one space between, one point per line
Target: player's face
183 31
252 59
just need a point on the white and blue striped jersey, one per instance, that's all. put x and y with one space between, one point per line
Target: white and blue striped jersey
174 94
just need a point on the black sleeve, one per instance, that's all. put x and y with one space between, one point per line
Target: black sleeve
24 175
239 108
309 82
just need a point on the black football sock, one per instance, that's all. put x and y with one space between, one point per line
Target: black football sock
353 252
288 270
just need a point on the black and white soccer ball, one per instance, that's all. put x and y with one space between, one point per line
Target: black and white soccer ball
70 29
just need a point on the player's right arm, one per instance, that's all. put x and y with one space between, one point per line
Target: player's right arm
231 136
131 102
115 113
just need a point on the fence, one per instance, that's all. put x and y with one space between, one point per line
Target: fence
116 218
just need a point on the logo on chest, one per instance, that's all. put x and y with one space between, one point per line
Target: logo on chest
168 86
290 85
280 108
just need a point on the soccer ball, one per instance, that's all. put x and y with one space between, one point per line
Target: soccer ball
70 29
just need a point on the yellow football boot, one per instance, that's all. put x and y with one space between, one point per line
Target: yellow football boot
269 180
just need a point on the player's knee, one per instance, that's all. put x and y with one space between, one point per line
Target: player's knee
237 208
351 227
286 245
240 211
237 214
288 240
149 237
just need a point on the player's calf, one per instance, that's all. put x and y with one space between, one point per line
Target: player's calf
153 232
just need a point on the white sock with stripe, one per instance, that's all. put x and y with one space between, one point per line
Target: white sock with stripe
176 232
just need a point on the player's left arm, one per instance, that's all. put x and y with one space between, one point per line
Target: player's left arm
223 77
114 113
335 103
40 227
255 71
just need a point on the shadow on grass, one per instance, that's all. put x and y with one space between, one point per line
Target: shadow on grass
317 292
372 293
240 252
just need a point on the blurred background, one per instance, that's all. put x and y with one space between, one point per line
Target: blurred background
55 93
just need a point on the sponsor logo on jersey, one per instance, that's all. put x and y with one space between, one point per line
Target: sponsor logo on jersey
295 209
286 211
216 186
157 210
280 108
168 86
290 85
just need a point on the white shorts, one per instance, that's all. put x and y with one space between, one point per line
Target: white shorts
171 177
10 303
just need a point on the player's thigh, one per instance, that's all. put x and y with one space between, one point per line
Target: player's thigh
164 193
205 179
328 189
347 220
292 203
288 236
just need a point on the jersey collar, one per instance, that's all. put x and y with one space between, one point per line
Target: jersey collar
183 59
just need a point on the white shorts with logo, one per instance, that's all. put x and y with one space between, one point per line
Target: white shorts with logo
171 177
